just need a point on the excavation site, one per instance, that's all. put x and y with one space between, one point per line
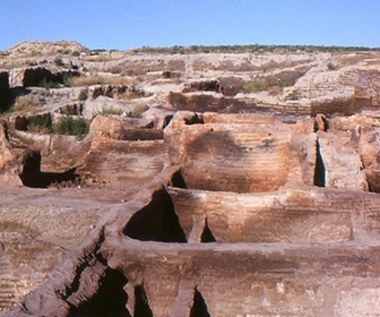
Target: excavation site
239 182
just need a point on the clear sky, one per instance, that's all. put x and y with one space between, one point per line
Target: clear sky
130 24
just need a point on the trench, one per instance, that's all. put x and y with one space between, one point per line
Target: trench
320 169
199 308
32 176
156 222
109 301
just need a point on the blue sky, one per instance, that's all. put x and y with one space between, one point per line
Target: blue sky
134 23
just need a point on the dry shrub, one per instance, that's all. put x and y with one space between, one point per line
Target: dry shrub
122 80
176 65
117 69
25 104
270 65
110 110
91 80
351 59
256 85
140 108
14 226
97 58
198 65
3 54
136 112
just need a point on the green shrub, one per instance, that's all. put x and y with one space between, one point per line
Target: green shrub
58 62
282 83
45 83
68 125
40 124
83 95
331 66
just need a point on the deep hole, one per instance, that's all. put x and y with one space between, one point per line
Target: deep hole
32 176
199 308
156 222
320 169
110 300
142 308
178 180
207 235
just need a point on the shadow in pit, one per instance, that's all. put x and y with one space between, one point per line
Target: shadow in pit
142 308
109 301
320 169
207 235
178 181
156 222
8 97
32 176
199 308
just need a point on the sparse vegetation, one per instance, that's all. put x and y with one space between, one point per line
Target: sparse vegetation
45 83
100 56
132 114
138 110
40 124
69 125
90 80
254 48
75 53
66 80
85 81
256 85
110 110
25 104
117 69
3 54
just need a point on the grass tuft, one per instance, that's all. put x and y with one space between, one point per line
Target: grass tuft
68 125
